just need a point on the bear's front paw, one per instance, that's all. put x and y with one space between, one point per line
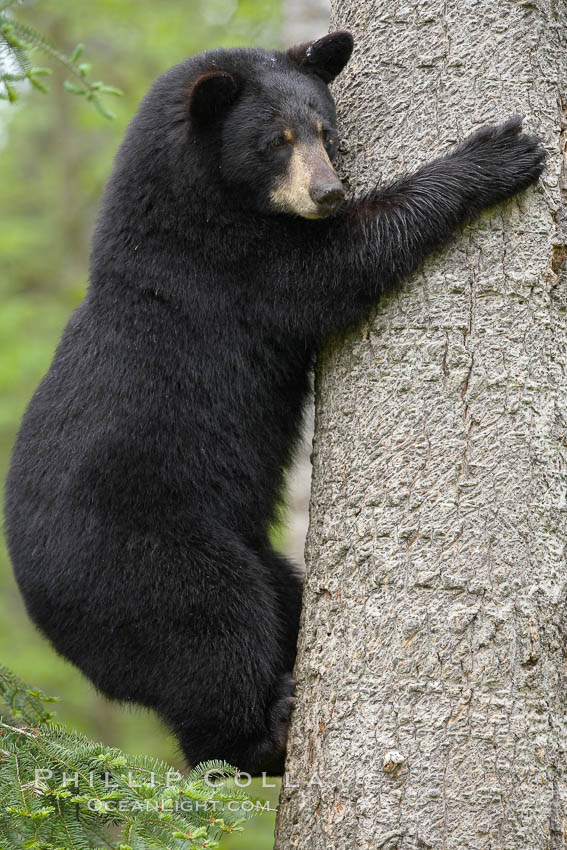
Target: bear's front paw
502 160
280 711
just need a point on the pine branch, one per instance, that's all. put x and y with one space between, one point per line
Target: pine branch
60 791
18 40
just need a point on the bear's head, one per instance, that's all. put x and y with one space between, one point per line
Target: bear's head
267 120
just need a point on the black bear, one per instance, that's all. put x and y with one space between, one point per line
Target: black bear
149 464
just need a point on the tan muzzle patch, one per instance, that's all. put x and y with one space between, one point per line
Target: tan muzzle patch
308 166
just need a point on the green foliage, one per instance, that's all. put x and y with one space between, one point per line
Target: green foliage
60 791
18 41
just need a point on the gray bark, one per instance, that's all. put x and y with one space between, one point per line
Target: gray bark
431 659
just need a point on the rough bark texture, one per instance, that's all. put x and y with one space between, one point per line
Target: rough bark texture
432 655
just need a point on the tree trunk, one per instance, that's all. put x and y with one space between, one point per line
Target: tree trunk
431 658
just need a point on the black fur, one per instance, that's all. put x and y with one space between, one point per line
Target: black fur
149 463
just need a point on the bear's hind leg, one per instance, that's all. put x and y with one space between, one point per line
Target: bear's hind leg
287 581
226 685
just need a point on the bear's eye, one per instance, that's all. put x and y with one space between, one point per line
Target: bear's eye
330 143
328 138
279 141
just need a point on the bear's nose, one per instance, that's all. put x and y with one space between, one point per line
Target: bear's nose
328 195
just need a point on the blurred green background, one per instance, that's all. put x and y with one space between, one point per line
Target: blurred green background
55 155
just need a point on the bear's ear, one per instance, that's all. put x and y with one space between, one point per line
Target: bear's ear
210 93
326 57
